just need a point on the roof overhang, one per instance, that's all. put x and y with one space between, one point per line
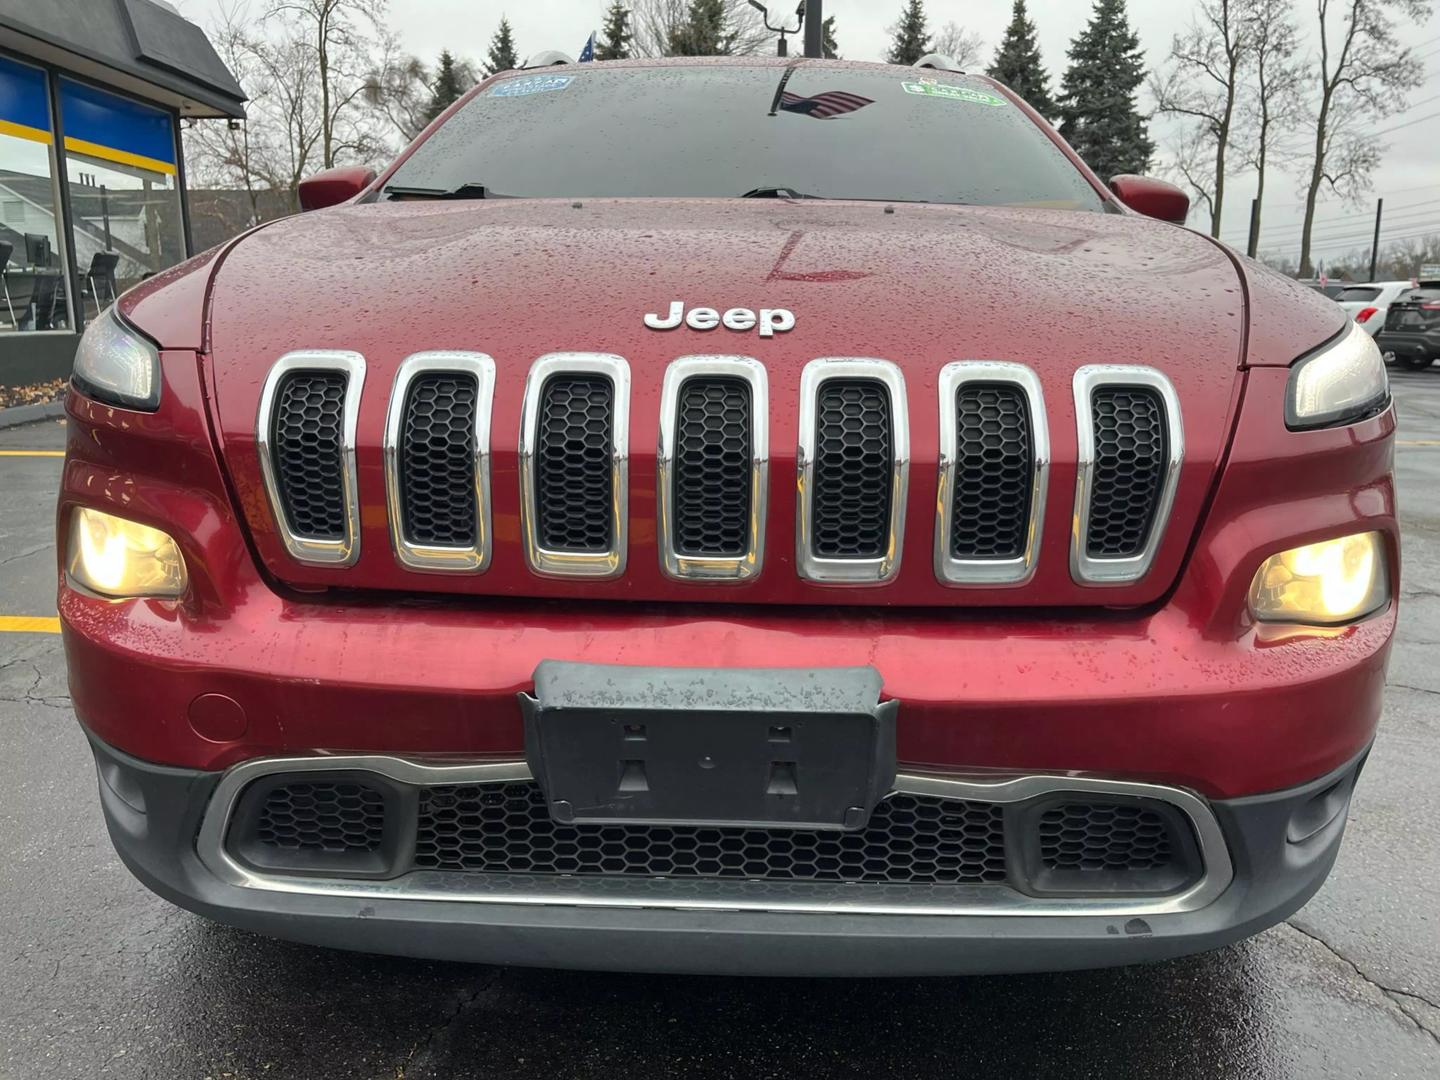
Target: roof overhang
139 47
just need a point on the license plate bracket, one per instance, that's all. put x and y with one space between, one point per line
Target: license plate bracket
810 748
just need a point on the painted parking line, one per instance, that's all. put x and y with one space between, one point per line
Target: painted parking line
29 624
32 453
1417 442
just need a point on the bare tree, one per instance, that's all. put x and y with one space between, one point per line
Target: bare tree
959 44
1201 86
656 24
1192 162
1363 73
1273 105
343 36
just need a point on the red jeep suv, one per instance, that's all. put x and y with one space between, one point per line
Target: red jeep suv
697 516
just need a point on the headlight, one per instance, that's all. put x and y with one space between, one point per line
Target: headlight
1345 381
1324 584
115 557
116 365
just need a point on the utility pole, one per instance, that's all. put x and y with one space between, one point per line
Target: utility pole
1375 247
1254 245
814 28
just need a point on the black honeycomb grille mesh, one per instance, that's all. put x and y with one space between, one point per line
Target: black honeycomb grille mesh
1101 836
1130 455
573 452
437 461
994 473
306 431
322 816
712 467
854 458
507 828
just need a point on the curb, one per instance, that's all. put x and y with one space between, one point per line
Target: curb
16 415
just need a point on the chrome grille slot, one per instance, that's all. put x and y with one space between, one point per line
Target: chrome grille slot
306 428
854 464
437 461
573 464
1129 424
573 492
305 434
712 467
1131 446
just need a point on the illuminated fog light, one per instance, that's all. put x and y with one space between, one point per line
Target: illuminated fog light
1331 582
115 557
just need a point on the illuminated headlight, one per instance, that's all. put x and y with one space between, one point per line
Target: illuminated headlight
116 365
1342 383
1324 584
120 558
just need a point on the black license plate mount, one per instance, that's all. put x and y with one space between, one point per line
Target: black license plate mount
802 748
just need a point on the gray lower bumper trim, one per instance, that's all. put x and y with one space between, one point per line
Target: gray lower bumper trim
155 814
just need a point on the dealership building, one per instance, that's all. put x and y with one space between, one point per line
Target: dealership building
93 94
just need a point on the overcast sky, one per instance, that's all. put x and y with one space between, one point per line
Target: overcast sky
1409 179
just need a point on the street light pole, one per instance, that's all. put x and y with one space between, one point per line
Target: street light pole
814 28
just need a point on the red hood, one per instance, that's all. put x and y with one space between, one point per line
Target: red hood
919 285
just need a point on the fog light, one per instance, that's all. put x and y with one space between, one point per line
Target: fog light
115 557
1332 582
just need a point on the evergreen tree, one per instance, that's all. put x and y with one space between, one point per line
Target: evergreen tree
1098 115
1018 65
450 83
615 36
502 49
830 49
703 32
911 35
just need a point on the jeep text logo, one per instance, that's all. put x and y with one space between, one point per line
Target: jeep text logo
771 321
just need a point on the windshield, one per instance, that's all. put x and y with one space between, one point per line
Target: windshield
810 130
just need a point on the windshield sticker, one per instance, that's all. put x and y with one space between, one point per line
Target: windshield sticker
530 84
954 93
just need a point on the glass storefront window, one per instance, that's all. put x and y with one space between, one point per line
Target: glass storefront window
34 293
124 191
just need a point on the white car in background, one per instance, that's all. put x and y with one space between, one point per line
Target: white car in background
1367 304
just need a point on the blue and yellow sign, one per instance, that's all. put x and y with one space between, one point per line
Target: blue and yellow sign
24 105
102 125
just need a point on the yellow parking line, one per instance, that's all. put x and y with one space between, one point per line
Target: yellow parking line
29 624
32 453
1417 442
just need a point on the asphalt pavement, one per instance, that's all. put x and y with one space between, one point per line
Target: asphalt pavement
100 978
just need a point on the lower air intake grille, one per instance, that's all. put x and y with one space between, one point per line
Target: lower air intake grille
1103 836
322 816
506 828
994 471
573 462
306 432
712 468
1129 470
437 461
854 461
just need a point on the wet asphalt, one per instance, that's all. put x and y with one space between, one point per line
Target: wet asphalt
100 978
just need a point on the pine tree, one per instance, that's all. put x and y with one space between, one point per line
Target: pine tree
1018 64
615 37
829 48
1098 115
450 83
703 33
502 49
911 35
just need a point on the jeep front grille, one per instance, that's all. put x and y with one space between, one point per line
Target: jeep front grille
712 467
305 431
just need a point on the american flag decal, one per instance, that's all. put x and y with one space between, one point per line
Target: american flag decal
824 106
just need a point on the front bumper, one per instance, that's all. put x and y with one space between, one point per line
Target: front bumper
1276 850
1412 345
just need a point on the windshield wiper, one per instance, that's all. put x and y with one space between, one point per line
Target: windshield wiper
464 191
778 193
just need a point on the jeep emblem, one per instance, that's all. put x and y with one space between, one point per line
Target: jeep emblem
771 321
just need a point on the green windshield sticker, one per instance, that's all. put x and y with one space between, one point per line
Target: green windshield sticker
954 93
